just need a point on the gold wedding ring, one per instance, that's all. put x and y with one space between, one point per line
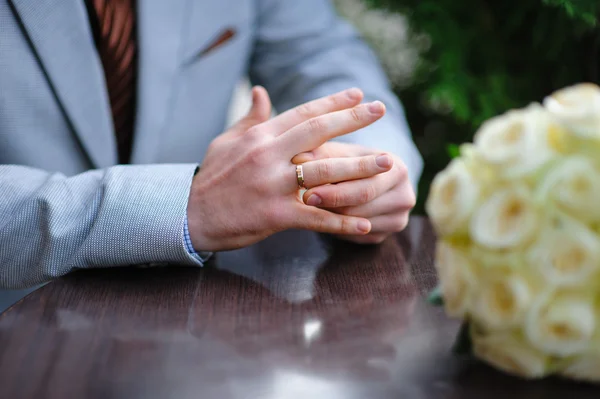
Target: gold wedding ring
300 176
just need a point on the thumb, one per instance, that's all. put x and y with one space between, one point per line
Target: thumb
259 112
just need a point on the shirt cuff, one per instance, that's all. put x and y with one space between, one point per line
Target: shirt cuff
199 256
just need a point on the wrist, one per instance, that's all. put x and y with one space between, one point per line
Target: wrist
197 220
200 255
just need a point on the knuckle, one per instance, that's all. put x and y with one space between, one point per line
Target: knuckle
411 201
400 222
401 171
406 199
254 133
338 199
364 166
256 142
324 171
332 199
364 196
304 110
321 223
345 225
315 125
260 155
368 194
334 100
354 114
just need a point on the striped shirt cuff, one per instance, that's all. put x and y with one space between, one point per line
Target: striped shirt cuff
200 257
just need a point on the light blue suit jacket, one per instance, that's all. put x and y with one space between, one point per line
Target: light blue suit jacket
64 204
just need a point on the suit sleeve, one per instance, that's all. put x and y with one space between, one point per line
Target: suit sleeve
305 51
51 224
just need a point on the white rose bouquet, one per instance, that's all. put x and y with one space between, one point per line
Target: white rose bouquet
517 215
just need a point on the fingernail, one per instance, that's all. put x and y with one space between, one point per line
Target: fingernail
364 226
383 161
314 200
353 93
376 107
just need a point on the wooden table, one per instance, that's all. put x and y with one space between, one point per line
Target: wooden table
296 316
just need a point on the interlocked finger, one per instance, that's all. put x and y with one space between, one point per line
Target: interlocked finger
322 221
335 102
349 193
391 202
312 133
336 170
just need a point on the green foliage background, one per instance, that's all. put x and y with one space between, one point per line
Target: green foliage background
487 56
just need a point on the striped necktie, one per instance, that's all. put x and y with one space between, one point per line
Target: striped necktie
116 42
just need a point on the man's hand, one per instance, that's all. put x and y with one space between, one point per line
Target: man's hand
247 190
385 199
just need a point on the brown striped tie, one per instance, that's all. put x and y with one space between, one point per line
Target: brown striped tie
116 41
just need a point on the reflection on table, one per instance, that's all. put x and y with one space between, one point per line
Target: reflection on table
298 315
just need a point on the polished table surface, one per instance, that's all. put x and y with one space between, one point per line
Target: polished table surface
296 316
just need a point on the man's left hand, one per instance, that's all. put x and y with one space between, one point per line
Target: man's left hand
385 199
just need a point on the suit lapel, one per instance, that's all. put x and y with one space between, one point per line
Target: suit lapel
161 27
60 34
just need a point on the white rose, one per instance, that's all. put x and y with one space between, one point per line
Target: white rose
504 260
502 301
517 142
455 272
577 108
473 161
573 185
561 324
507 219
453 195
584 368
567 252
508 353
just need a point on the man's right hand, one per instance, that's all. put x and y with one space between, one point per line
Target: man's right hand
246 188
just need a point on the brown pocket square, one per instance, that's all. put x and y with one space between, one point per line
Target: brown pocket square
220 40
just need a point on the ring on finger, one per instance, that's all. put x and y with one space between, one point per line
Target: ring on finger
300 176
